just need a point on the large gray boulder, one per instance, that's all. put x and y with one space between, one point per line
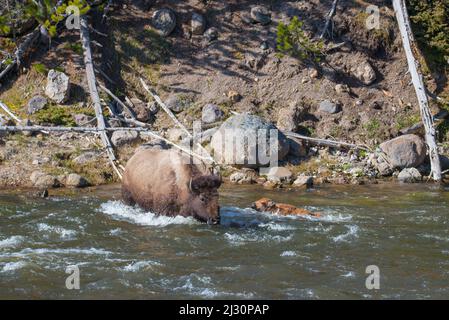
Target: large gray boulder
76 181
58 86
164 21
406 151
242 139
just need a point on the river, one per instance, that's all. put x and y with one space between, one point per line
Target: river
124 252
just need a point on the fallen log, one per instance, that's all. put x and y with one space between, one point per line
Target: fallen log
100 131
408 41
90 74
325 142
113 96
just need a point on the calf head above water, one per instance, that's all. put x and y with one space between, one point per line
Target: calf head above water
204 201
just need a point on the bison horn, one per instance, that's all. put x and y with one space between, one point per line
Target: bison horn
190 185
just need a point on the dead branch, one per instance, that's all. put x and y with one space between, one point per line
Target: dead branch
408 41
329 18
90 74
325 142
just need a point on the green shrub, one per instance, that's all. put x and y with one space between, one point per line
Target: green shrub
292 40
56 115
431 28
40 68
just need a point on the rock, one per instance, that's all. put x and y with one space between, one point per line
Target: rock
246 176
245 129
211 113
260 14
314 73
175 104
140 109
87 157
329 107
279 174
234 96
83 120
211 34
36 103
205 136
384 169
198 23
405 151
410 175
342 88
76 181
272 184
365 73
444 160
303 181
264 45
290 118
164 21
175 134
58 86
120 138
42 180
153 108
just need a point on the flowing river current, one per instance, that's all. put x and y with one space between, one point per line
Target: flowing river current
124 252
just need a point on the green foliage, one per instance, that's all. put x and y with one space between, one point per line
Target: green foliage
292 40
372 128
40 68
430 20
4 28
56 115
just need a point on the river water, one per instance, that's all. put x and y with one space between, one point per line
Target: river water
124 252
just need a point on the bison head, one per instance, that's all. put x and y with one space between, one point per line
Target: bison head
204 203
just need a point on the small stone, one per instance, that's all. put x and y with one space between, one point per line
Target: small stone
120 138
76 181
329 107
140 109
36 103
211 34
211 113
198 23
234 96
43 180
313 73
410 175
87 157
279 174
260 14
164 21
365 73
303 181
58 86
175 104
264 45
342 88
175 134
243 177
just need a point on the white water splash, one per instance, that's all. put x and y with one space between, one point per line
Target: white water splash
141 265
43 251
241 239
12 266
11 241
63 233
289 254
120 211
352 233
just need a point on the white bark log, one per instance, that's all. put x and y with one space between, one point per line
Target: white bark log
408 43
90 74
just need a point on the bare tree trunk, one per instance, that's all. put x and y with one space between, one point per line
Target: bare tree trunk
408 42
329 18
90 74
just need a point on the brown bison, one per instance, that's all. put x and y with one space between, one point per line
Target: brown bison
166 183
268 205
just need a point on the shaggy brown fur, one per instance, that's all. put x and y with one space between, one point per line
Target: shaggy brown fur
268 205
164 182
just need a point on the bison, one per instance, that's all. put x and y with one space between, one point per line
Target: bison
166 182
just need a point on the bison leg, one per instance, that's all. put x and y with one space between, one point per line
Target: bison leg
127 197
